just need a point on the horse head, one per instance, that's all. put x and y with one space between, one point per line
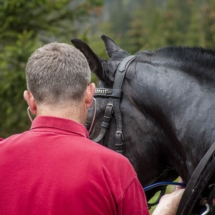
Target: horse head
142 136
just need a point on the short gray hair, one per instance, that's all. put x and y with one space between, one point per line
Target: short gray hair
57 72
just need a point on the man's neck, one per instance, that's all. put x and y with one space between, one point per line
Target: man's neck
75 113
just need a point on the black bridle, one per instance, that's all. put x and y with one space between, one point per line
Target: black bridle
113 106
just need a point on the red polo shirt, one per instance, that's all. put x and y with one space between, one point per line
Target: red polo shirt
55 169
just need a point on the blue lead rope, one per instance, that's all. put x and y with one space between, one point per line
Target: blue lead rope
163 183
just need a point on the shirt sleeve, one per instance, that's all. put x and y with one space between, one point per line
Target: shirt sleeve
134 200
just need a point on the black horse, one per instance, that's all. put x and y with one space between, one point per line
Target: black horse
167 107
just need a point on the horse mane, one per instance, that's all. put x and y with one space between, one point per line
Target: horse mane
195 61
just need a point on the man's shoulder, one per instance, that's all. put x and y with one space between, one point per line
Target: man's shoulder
11 139
104 151
14 136
109 157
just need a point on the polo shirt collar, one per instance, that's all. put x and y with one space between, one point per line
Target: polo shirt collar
57 123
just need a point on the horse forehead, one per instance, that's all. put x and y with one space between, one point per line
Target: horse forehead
109 69
113 65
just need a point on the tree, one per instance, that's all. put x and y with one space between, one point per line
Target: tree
24 26
195 33
209 23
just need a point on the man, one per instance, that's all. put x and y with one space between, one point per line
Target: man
54 168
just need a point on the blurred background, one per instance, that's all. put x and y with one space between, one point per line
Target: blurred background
133 24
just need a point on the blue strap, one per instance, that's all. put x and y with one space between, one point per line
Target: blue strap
163 183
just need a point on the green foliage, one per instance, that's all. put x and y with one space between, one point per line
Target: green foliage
151 24
25 26
12 83
209 23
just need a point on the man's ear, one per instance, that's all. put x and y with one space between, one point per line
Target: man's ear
89 94
29 98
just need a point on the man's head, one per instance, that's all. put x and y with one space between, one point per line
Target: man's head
57 74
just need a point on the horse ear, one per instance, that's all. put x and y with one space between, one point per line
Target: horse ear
112 47
94 61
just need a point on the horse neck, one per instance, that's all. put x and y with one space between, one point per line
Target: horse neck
182 108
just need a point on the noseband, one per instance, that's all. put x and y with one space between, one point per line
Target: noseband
113 106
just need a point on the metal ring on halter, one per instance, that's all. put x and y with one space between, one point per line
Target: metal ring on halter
94 115
118 132
29 114
207 209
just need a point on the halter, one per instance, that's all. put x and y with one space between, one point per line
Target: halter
113 106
